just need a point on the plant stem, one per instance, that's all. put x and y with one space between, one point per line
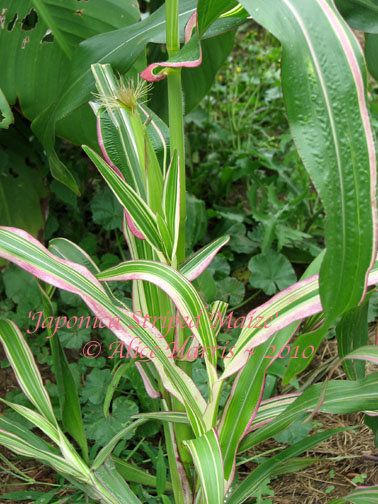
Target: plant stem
177 141
176 114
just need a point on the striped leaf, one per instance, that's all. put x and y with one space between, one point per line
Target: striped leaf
207 458
36 419
27 373
270 409
243 403
295 303
130 200
171 202
365 353
182 293
106 451
67 388
335 397
20 446
363 495
252 482
325 98
198 262
22 249
352 333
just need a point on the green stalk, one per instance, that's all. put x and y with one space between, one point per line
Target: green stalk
177 141
176 114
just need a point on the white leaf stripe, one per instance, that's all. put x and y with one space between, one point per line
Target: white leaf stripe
360 87
28 376
21 447
22 249
130 200
299 301
338 397
35 418
199 261
181 291
207 458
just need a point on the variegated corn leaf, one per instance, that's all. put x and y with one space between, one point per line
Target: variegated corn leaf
182 293
171 202
139 211
207 457
198 262
22 249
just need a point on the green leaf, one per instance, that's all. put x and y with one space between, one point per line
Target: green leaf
68 392
6 115
25 369
271 272
102 429
362 15
267 468
106 211
231 290
364 495
322 114
210 10
21 186
207 458
123 434
335 397
352 333
371 54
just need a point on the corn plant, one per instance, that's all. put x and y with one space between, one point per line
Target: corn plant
142 160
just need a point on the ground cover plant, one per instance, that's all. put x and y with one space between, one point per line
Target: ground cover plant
188 382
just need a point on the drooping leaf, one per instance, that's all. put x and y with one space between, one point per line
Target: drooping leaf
22 249
327 108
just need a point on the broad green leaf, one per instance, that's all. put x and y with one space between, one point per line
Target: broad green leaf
361 14
120 48
267 468
327 108
352 333
21 248
371 54
271 272
335 397
210 10
6 115
207 457
28 376
21 185
34 59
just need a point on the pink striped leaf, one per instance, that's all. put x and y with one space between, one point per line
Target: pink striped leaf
327 109
134 331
